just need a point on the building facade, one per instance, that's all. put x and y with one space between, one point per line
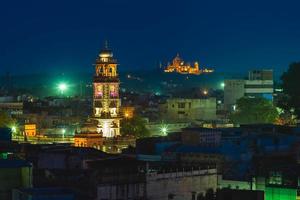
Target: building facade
187 110
177 184
258 84
106 100
233 90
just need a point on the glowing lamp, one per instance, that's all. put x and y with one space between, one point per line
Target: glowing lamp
14 129
164 130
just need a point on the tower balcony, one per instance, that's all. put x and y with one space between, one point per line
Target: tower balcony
111 79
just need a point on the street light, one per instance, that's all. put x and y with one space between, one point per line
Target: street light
164 130
14 129
222 85
62 87
63 131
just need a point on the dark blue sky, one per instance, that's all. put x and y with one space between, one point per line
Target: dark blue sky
61 36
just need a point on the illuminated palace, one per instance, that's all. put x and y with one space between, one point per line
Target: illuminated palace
179 66
106 100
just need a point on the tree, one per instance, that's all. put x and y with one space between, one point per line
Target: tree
6 120
254 111
135 126
290 85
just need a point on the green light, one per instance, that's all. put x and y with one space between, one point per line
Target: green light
164 130
274 193
14 129
222 85
62 87
63 131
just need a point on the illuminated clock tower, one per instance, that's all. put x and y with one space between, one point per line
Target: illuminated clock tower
106 100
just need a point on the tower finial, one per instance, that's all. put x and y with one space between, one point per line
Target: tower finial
106 44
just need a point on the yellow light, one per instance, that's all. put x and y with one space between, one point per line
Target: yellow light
205 92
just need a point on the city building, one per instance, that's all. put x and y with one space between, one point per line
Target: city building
128 178
179 66
201 137
43 194
189 109
106 100
14 173
235 194
258 84
88 136
233 90
12 108
30 130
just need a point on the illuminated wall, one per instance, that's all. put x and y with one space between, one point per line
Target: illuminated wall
30 130
277 193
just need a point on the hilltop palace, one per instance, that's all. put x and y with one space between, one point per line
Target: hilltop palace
179 66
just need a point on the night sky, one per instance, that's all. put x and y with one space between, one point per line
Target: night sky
63 36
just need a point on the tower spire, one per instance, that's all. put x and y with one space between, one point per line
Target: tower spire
106 44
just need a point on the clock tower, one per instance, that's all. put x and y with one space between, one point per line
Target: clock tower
106 99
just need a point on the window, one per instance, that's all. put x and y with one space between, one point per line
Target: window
181 105
275 178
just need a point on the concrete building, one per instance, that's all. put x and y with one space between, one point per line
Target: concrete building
258 84
177 184
233 194
14 174
207 137
12 108
43 194
233 90
189 110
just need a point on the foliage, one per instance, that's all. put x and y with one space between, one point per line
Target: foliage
135 126
254 111
291 87
6 120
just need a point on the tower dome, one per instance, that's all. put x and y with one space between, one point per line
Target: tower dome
106 52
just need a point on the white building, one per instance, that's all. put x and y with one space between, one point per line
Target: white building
259 84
